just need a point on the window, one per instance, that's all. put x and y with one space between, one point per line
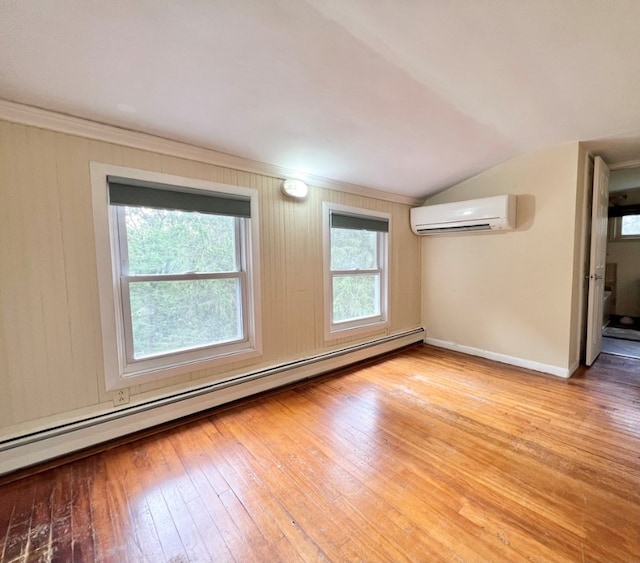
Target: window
356 279
626 227
182 273
630 226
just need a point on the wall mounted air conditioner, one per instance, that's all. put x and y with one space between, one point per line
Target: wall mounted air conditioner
496 213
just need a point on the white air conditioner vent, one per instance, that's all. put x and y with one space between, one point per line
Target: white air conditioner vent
497 213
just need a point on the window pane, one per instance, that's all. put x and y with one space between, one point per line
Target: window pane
355 297
630 225
168 316
162 241
354 250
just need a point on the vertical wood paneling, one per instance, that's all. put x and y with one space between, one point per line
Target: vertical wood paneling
8 259
71 159
273 251
50 340
25 316
48 270
317 275
177 167
405 260
301 261
13 273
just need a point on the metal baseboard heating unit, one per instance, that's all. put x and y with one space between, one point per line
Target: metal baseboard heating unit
497 213
52 441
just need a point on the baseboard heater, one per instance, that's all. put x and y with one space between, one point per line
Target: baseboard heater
34 447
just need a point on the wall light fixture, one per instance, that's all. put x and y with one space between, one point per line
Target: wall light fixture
296 189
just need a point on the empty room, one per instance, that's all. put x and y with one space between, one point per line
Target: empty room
319 281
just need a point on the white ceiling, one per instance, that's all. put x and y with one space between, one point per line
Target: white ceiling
407 96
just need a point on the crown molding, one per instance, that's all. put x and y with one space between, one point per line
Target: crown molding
46 119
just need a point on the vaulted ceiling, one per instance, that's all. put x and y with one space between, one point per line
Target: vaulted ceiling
408 97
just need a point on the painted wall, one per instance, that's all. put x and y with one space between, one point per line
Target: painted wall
626 254
512 293
50 346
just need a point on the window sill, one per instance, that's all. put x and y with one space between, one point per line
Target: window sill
158 373
336 333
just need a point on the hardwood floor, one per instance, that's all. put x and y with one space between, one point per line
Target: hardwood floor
427 455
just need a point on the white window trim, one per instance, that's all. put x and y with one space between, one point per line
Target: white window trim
116 372
358 326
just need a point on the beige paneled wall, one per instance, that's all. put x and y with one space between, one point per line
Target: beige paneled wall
50 342
510 293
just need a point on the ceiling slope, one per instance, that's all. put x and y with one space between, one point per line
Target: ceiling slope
404 97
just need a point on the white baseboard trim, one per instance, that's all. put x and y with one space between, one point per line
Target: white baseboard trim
572 368
502 358
23 451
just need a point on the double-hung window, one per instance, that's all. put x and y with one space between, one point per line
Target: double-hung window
183 274
356 270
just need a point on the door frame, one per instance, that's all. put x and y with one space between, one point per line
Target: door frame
586 239
597 259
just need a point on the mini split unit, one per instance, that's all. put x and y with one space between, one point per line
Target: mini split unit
496 213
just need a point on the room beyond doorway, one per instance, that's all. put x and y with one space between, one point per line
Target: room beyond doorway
619 347
621 337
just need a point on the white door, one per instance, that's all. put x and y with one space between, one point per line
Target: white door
597 263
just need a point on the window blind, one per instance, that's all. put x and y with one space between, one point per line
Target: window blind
138 193
624 210
359 222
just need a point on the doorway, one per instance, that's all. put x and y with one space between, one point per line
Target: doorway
624 343
621 312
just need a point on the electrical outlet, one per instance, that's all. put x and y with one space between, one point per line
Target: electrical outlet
121 397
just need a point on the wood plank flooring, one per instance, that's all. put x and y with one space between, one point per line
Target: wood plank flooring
426 455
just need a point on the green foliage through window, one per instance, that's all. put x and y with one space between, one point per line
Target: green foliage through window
353 249
161 241
174 315
356 274
355 297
